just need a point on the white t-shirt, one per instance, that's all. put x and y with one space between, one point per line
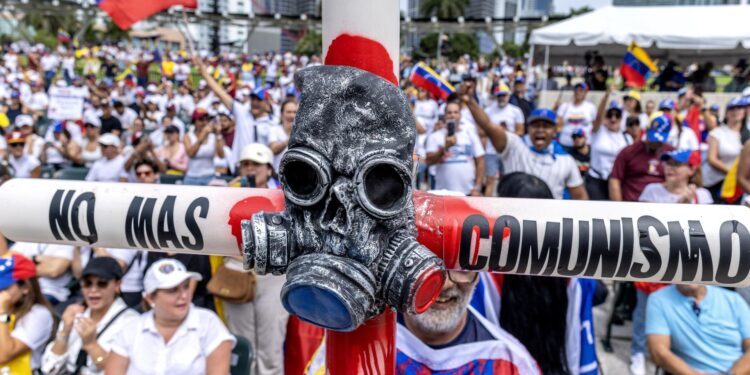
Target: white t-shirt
426 112
657 193
34 330
277 134
263 128
202 164
24 165
509 115
54 287
730 146
244 133
557 170
104 170
199 335
126 118
605 145
575 117
38 101
457 170
49 62
685 140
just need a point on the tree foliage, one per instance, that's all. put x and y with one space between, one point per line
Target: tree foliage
457 45
310 44
443 8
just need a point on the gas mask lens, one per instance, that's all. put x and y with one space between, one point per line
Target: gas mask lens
305 176
383 186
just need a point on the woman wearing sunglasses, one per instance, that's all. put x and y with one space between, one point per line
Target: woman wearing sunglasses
85 335
25 316
607 139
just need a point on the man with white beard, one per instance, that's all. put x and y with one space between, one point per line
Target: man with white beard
452 338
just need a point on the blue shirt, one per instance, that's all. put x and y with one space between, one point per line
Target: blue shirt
708 337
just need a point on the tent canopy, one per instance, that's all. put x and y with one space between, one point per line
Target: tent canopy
698 32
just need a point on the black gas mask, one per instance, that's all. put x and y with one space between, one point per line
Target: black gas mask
346 239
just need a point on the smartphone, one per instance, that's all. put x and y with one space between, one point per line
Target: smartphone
451 126
247 181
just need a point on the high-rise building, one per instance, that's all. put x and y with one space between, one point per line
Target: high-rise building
673 2
535 8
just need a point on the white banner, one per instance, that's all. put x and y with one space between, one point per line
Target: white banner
66 103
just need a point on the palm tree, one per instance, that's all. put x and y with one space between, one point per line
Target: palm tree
443 8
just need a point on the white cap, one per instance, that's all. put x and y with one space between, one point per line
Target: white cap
166 274
24 120
258 153
746 91
90 117
109 139
151 88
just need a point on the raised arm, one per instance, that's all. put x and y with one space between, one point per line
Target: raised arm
225 98
600 111
496 134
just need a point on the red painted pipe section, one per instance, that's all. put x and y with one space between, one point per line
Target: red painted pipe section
368 350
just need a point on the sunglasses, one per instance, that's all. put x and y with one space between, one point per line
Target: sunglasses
101 284
144 174
463 278
15 145
614 115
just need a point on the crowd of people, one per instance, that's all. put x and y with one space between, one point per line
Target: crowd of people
225 121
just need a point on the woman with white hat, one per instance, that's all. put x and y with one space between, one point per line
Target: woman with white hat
174 337
256 168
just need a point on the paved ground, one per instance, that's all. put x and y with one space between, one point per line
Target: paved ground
617 362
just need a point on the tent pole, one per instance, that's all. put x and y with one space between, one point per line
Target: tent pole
546 67
531 56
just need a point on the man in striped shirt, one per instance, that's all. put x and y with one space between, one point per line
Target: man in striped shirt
537 153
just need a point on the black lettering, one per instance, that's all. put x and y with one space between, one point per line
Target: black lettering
467 232
567 245
58 215
679 252
90 199
602 252
510 222
530 248
647 247
627 247
726 232
138 222
192 224
165 230
699 246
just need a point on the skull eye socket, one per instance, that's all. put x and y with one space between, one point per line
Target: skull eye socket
305 176
383 186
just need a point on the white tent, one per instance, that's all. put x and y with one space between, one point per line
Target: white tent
718 33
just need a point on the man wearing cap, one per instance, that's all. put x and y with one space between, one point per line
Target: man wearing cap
580 113
457 154
24 165
110 168
252 121
537 154
639 164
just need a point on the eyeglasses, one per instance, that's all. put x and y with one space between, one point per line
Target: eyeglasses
101 284
461 277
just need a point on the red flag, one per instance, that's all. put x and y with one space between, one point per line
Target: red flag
127 12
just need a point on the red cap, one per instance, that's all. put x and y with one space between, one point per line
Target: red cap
199 113
15 137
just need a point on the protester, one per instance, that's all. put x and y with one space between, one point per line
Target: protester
581 152
86 331
537 154
580 113
26 318
91 150
508 116
24 165
724 147
64 151
607 140
202 143
172 152
631 103
279 135
639 164
174 336
698 329
111 167
457 154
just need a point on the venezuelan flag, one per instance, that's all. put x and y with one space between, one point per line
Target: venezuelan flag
62 36
637 66
427 79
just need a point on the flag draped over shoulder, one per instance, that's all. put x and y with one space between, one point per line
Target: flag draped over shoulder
637 66
127 12
427 79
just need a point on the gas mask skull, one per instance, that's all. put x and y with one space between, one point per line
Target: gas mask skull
346 239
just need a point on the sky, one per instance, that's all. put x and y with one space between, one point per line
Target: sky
561 6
